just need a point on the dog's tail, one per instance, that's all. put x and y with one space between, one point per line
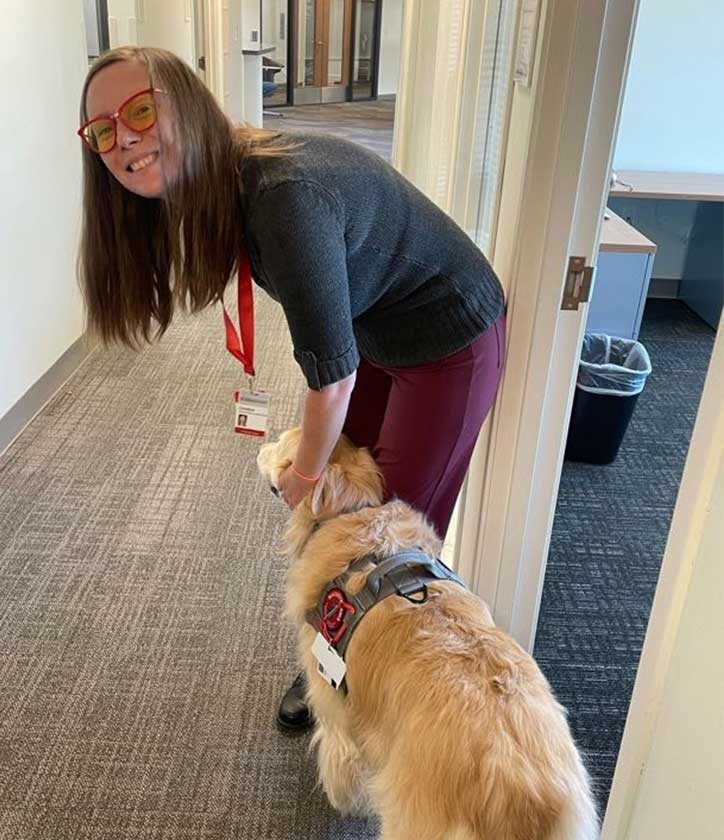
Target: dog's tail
578 820
536 785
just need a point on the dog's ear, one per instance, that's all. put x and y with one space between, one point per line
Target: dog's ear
274 458
349 485
325 491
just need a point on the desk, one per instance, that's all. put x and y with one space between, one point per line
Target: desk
618 236
681 186
625 261
702 279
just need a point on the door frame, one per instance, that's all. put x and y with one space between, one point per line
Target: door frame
557 168
321 48
321 52
551 205
376 55
200 39
104 38
213 13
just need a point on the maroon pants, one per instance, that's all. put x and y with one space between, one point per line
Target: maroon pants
421 423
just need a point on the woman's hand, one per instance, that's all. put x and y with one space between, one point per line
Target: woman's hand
293 488
322 421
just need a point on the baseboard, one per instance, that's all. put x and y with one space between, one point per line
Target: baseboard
387 97
664 287
27 407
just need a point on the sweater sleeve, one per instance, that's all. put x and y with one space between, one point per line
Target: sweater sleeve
298 228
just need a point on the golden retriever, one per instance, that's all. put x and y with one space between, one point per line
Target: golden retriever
449 731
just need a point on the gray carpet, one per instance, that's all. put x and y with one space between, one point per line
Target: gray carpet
367 123
142 651
608 541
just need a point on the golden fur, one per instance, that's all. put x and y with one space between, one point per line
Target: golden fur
449 729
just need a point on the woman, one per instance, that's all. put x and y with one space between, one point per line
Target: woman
397 319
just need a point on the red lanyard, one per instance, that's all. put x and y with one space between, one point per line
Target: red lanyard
246 320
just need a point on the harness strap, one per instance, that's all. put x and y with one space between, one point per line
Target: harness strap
406 573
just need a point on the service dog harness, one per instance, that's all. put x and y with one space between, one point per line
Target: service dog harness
338 614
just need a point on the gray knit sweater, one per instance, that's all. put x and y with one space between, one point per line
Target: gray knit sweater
361 261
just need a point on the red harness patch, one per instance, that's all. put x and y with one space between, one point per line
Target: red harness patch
334 609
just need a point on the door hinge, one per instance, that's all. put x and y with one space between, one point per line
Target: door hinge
578 283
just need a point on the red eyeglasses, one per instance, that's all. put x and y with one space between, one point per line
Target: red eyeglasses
138 113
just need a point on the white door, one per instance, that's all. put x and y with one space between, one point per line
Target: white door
200 39
204 33
122 22
168 24
223 58
233 64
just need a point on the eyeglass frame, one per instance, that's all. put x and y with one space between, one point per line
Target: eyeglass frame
115 119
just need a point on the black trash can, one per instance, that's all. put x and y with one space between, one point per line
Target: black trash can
611 375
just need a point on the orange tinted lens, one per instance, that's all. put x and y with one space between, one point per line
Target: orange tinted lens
140 113
100 135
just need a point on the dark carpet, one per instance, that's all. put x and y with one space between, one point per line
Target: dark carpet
608 542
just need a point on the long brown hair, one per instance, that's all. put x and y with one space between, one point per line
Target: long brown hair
131 247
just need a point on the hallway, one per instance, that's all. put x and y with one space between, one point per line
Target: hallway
367 123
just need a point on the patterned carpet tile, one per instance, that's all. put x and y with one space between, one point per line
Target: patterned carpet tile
608 542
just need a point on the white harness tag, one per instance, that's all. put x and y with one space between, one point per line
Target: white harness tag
330 664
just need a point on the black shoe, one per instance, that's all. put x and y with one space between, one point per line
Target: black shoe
294 714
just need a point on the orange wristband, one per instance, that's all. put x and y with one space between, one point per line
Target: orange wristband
305 477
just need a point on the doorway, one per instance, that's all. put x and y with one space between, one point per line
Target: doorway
320 51
612 520
562 168
115 23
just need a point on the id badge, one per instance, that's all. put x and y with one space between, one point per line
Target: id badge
251 412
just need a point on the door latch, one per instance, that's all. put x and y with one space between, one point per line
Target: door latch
578 283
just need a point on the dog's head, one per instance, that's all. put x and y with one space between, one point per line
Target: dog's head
349 482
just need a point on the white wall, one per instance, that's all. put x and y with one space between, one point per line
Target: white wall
391 36
43 45
672 118
250 24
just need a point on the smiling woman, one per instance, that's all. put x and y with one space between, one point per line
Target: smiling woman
394 313
151 130
119 136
